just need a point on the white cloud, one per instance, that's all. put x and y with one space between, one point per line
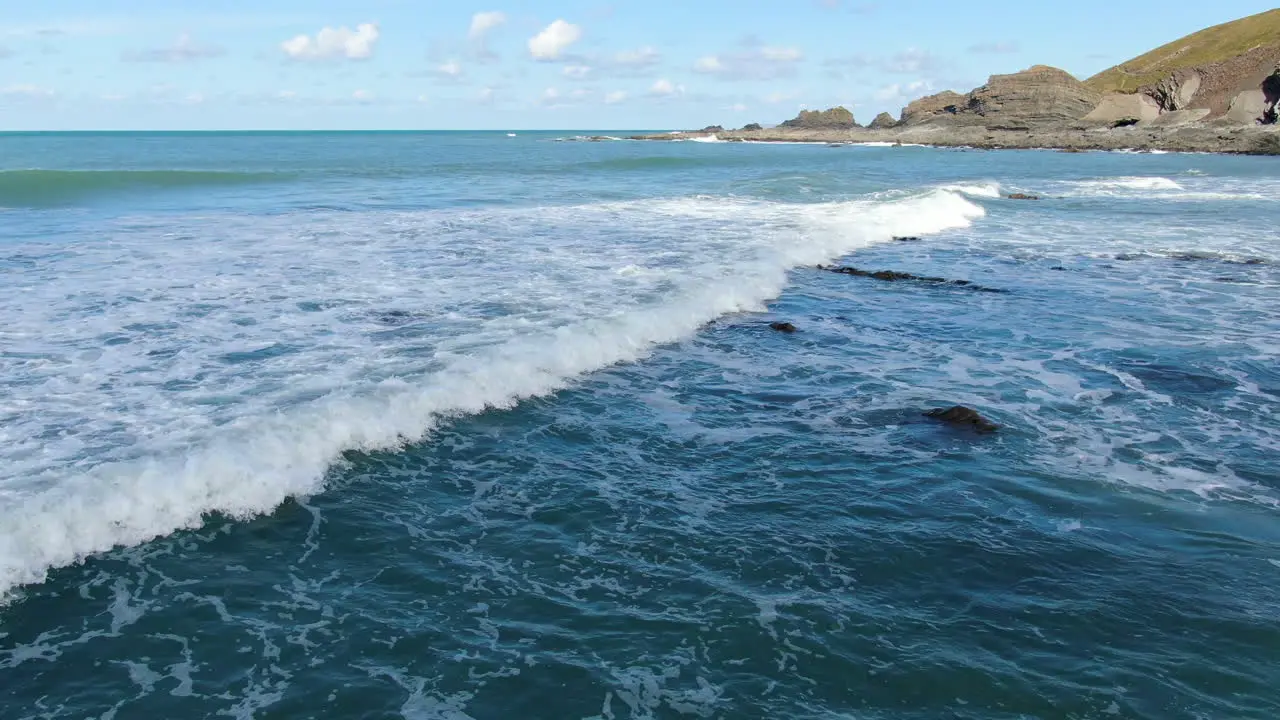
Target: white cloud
639 58
576 72
423 99
184 49
738 107
485 95
550 96
551 43
330 43
756 62
112 97
195 98
779 97
911 60
286 95
903 91
615 97
451 69
362 96
483 22
33 92
708 64
777 54
665 88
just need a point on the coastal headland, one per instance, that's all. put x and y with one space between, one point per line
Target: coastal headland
1217 90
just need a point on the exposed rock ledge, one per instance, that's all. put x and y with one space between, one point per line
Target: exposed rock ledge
1196 136
1044 107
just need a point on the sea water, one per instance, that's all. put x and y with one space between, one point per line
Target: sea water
465 425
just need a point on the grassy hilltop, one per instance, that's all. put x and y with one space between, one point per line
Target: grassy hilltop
1211 45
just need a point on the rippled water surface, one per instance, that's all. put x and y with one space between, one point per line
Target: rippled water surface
451 425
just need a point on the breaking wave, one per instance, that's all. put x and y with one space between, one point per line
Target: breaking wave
230 378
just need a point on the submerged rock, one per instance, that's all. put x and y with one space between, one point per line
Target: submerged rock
906 238
785 327
1021 196
893 276
961 416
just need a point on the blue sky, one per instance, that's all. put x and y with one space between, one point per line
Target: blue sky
321 64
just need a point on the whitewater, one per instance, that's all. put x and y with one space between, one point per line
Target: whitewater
472 425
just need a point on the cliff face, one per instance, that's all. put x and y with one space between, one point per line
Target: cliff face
1037 96
943 106
1227 72
837 118
883 121
1207 47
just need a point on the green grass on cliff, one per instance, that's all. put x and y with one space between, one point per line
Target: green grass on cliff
1214 44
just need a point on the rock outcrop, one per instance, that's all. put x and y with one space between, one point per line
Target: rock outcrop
1036 96
1221 73
837 118
883 121
930 108
1118 109
751 127
961 416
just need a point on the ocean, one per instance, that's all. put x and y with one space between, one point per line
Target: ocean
470 425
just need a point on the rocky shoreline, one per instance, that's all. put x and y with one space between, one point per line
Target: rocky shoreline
1215 91
1241 140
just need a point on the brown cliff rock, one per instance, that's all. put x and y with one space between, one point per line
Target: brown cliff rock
944 105
837 118
883 121
1035 96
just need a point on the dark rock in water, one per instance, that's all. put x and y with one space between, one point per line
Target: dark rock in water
905 238
393 317
1058 268
751 127
1021 196
785 327
961 416
894 276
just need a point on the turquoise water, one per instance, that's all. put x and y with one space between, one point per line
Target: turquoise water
451 425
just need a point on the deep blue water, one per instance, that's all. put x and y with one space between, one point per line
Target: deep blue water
461 425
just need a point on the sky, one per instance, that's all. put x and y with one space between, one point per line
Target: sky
537 64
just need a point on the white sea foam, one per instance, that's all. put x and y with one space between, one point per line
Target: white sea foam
1193 187
706 139
1130 183
984 190
223 364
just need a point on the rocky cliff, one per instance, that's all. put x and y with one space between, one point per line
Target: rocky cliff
930 108
1229 73
837 118
883 121
1036 96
